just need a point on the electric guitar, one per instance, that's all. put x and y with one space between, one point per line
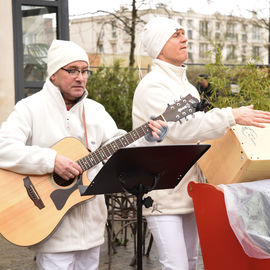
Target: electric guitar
31 206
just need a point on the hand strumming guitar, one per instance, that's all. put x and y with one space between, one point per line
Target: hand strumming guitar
66 168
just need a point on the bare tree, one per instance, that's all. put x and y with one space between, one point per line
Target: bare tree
127 21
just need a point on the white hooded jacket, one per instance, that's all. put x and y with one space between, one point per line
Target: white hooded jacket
37 123
164 85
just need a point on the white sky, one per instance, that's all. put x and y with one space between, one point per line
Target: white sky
234 7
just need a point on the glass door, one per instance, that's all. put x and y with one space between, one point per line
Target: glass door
36 24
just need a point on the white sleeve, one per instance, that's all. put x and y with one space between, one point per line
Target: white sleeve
203 126
16 153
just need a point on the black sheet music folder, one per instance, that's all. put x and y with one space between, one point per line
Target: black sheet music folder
131 166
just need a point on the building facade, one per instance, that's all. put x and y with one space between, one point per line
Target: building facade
105 37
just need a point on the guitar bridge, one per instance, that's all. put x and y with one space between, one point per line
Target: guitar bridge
32 193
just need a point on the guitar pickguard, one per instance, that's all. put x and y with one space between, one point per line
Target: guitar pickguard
60 196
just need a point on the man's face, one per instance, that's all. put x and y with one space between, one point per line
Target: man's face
175 49
71 87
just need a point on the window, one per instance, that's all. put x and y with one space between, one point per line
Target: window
190 23
204 28
113 48
203 50
217 35
244 37
218 31
189 34
190 53
35 24
180 21
231 31
38 27
190 57
243 56
231 55
100 48
256 52
244 33
256 32
100 36
127 29
114 35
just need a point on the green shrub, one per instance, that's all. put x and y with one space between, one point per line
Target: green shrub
252 80
114 87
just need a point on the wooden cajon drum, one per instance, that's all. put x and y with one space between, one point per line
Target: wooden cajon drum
241 155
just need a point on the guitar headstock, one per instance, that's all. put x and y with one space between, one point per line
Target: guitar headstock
181 108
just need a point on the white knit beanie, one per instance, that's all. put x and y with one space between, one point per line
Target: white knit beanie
62 53
156 33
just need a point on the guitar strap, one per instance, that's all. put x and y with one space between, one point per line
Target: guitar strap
85 130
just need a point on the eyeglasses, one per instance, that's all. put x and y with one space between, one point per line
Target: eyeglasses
74 73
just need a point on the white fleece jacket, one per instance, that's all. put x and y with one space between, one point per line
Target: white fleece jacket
163 85
38 122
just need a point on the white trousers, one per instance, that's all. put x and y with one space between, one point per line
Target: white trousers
176 239
74 260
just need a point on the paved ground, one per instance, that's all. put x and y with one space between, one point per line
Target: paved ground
19 258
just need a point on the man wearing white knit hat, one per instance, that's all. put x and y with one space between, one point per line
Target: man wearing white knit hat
61 109
171 218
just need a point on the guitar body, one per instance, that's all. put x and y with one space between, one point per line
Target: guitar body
21 221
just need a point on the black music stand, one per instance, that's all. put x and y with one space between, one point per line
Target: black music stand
139 170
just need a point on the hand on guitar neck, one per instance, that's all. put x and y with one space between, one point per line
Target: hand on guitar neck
68 169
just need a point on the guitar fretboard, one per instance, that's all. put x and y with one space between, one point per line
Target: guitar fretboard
106 151
188 105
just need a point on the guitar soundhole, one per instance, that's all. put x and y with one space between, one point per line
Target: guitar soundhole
62 182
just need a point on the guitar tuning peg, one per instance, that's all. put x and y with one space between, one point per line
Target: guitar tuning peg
186 118
180 121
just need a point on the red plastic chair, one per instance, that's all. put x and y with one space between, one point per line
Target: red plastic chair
219 245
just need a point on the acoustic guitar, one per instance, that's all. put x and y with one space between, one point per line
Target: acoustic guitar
31 206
